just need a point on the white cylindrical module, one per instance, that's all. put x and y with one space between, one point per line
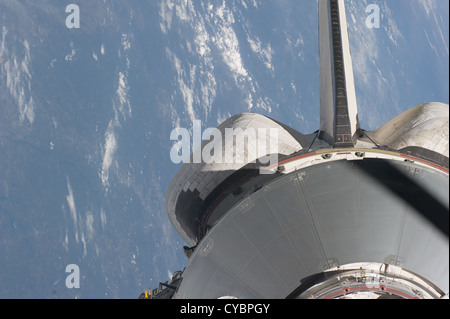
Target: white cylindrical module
302 234
238 144
425 126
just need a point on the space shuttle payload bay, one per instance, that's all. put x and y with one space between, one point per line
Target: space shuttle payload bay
346 213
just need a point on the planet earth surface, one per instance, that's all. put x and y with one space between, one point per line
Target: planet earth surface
86 113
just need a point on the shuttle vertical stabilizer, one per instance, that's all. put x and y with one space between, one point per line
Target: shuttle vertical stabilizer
338 109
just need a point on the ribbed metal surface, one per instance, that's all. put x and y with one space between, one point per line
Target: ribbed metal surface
342 134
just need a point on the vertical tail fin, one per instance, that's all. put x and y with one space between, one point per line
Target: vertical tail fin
338 110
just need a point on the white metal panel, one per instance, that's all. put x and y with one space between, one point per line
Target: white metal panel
205 177
426 125
349 79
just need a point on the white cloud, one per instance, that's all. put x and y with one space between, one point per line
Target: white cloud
103 219
222 117
110 147
264 53
124 106
72 208
69 57
431 10
122 110
83 241
226 40
186 90
3 44
391 27
165 12
66 242
428 6
90 225
18 78
228 44
126 44
264 104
